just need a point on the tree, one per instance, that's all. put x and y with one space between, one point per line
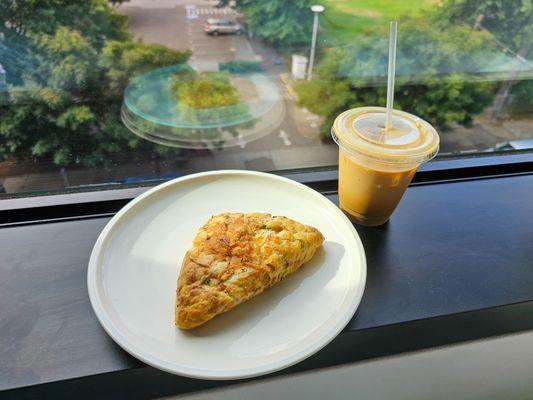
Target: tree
205 91
124 59
429 82
281 23
511 23
74 59
210 98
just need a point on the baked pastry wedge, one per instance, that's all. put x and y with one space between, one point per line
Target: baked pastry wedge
235 257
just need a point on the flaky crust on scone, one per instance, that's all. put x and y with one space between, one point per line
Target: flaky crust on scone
236 256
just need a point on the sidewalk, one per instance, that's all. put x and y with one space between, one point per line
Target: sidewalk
307 123
484 134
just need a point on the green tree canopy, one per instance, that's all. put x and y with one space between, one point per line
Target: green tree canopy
67 65
281 23
510 21
430 81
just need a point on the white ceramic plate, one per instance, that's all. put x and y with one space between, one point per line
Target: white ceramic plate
135 264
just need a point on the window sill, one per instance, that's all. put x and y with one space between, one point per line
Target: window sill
106 199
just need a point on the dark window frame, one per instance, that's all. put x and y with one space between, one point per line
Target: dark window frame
106 199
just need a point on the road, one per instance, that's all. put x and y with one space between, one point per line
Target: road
166 22
178 24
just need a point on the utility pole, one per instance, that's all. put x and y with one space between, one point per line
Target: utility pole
316 9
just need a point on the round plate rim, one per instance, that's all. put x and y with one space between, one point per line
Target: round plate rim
135 351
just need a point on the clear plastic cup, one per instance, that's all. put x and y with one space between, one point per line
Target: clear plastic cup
376 166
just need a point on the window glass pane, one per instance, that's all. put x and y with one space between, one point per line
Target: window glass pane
124 92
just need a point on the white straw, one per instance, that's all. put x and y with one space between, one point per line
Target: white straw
392 72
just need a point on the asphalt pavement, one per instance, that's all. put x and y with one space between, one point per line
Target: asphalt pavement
293 141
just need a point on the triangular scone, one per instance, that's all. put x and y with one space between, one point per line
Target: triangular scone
235 257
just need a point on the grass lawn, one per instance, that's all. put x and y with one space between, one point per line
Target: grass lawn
345 18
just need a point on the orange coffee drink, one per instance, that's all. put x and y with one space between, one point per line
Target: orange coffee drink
377 165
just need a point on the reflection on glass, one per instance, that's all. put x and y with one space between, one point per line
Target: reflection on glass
180 107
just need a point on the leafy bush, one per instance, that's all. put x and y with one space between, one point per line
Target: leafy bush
209 99
67 64
427 84
279 22
522 92
511 23
207 90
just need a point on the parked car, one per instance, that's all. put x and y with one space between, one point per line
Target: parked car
522 144
217 27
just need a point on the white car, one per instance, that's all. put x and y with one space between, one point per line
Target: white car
217 27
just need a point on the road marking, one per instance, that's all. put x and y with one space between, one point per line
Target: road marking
191 11
311 117
313 125
241 141
283 136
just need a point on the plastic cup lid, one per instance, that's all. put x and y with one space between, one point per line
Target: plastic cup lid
362 131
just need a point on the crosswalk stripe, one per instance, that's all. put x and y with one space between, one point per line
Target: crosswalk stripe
194 12
191 11
213 11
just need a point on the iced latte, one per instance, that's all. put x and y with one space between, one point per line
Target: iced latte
375 165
